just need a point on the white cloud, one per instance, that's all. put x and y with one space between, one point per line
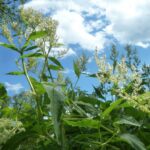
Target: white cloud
70 52
13 87
62 51
129 21
73 31
66 71
73 27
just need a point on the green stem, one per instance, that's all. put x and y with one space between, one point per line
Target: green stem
107 129
27 76
46 64
76 82
39 111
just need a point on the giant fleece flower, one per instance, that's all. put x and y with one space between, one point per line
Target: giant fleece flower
121 78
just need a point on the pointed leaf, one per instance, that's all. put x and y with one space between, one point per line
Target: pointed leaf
85 123
53 67
37 86
36 35
12 47
128 121
133 141
31 48
57 103
32 55
112 106
55 61
76 69
3 91
15 73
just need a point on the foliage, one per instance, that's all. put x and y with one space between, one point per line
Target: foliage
54 113
9 128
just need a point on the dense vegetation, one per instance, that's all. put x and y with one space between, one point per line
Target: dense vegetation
55 113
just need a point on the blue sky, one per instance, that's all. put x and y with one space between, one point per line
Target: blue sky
84 25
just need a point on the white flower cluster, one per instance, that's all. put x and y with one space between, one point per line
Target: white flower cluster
6 33
35 21
8 128
122 77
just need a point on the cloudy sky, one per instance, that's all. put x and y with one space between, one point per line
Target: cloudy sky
90 22
87 24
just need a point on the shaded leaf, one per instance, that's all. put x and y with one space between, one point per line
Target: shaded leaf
91 100
57 103
3 92
133 141
112 106
128 121
16 140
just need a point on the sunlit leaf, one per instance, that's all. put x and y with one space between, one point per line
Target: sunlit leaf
76 69
85 123
15 73
32 55
36 35
37 86
33 36
54 67
55 61
12 47
31 48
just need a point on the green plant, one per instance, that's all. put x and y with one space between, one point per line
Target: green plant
54 113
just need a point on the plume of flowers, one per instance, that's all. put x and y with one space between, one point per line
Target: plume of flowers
122 77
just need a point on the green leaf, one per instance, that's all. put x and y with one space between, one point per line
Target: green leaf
12 47
144 96
90 100
34 36
85 123
30 48
112 106
57 107
79 109
37 86
76 69
32 55
88 107
15 73
55 61
53 67
37 35
128 121
58 44
14 142
3 92
94 75
133 141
